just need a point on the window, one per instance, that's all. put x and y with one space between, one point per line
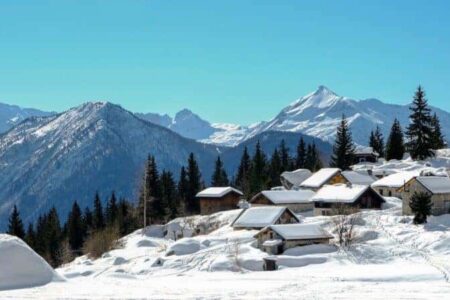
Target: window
390 193
381 192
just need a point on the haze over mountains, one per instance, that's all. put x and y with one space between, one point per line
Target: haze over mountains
53 159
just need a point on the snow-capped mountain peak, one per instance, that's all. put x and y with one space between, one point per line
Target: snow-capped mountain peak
321 98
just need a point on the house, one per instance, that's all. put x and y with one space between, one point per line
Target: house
292 180
359 177
322 177
275 239
215 199
295 200
365 154
331 197
262 216
390 185
436 186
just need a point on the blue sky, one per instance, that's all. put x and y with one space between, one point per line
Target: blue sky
228 61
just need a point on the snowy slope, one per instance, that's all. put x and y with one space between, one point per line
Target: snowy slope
391 259
11 115
97 146
318 114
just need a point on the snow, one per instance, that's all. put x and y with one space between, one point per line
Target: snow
358 177
364 150
271 243
288 196
259 217
320 177
435 184
300 231
217 192
396 180
21 267
339 193
391 259
296 177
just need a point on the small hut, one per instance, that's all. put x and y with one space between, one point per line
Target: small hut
322 177
262 216
295 200
215 199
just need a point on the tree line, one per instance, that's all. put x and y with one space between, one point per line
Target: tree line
423 135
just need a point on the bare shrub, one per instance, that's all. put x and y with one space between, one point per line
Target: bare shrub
234 250
66 252
101 241
344 221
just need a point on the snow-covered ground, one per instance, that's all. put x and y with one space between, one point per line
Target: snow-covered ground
392 259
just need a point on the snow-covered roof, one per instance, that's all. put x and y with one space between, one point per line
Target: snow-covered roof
289 196
361 150
300 231
217 192
320 177
395 180
358 177
296 177
435 184
259 217
340 193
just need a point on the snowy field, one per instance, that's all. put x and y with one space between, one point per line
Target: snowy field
392 259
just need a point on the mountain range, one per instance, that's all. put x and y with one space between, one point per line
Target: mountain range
50 159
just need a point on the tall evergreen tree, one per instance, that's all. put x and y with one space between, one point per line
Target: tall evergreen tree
194 185
300 161
343 148
258 175
111 210
376 141
169 195
75 228
284 156
219 177
275 168
437 138
395 149
243 174
88 220
15 225
313 161
419 131
150 191
125 218
53 237
182 188
98 218
421 206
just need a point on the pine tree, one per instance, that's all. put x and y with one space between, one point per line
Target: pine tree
125 218
313 161
194 185
421 206
88 221
275 168
219 177
53 237
111 210
284 156
75 228
376 141
30 236
258 175
169 195
395 149
15 226
300 161
437 138
419 131
182 188
343 148
150 191
98 218
243 174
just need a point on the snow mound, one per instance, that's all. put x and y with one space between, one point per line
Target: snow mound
21 267
184 246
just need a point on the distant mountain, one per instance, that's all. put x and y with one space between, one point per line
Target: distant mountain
46 161
11 115
318 114
190 125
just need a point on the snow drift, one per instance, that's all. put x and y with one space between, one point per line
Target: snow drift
21 267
